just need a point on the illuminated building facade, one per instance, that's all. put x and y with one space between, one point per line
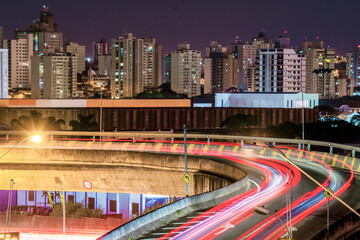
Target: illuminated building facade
79 50
20 52
135 65
186 70
281 70
54 76
320 62
4 87
47 38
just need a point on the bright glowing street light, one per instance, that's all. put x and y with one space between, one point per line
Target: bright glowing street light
36 138
33 138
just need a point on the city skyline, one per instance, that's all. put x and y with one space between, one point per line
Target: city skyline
195 22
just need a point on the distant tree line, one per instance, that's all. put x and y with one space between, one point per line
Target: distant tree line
338 131
36 122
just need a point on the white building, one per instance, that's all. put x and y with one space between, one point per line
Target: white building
136 65
20 51
54 76
281 70
186 70
267 100
79 50
4 87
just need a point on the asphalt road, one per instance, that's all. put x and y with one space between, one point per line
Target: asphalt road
305 228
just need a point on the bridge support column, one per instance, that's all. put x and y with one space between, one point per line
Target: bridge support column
331 149
353 153
208 139
308 147
134 138
7 137
93 138
299 146
242 142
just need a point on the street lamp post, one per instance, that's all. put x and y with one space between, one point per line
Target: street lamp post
185 154
34 138
312 179
264 211
101 110
290 187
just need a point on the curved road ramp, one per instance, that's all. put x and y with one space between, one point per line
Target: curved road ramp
168 213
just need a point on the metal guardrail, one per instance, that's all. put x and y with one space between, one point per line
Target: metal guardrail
172 136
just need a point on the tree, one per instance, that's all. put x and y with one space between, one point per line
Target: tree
76 210
238 123
84 123
284 130
35 122
355 120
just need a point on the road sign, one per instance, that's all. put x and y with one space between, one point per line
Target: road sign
87 184
186 178
328 195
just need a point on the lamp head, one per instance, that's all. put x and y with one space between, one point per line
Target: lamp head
36 138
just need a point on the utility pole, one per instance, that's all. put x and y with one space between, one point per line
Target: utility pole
185 154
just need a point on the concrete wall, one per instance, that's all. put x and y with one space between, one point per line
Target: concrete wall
83 225
112 171
164 215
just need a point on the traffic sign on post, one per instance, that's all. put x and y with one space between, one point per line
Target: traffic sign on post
328 195
186 178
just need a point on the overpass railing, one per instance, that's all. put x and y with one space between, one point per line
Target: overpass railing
135 136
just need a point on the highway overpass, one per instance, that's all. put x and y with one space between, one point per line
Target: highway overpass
269 177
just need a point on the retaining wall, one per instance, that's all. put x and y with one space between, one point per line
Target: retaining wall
164 215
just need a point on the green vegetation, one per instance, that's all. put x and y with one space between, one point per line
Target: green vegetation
76 210
240 123
35 122
331 131
162 92
84 123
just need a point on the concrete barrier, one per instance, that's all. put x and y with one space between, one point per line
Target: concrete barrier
168 213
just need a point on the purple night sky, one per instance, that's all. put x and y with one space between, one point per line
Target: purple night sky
194 21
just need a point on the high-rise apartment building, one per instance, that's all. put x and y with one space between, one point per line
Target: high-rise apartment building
54 76
246 53
20 52
262 41
166 67
4 87
355 66
47 38
349 62
152 64
214 47
104 65
281 70
186 71
79 50
320 63
220 69
99 48
344 85
135 65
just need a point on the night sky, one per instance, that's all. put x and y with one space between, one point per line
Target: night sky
195 21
